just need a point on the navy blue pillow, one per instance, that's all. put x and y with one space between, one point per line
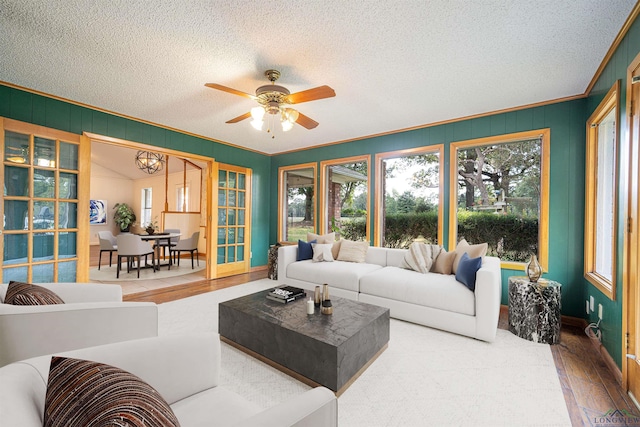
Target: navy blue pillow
305 250
467 268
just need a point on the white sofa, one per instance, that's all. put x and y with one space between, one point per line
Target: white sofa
184 369
93 314
431 299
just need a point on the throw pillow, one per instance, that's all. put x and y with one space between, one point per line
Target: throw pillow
444 262
467 269
82 393
335 250
322 252
420 257
474 251
305 250
19 293
351 251
322 239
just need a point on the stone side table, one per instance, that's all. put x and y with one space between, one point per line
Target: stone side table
534 309
272 262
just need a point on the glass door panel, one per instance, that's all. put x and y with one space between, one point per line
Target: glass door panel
233 196
40 207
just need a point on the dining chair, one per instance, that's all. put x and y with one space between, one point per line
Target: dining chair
186 245
163 244
132 247
108 243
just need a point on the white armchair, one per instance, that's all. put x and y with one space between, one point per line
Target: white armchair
93 314
184 369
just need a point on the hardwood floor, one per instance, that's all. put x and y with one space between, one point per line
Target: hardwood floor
590 388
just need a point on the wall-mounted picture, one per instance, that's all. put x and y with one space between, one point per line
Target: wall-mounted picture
98 212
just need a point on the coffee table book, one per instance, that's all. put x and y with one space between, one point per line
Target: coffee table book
286 292
286 300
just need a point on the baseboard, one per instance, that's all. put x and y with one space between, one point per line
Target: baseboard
259 268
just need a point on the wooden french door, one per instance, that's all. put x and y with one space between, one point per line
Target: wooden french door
45 206
631 296
233 226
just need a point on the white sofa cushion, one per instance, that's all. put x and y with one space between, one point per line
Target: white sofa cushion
216 406
431 290
339 274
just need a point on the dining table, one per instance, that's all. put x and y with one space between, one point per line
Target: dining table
157 238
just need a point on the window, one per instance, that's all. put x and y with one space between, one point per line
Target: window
345 197
296 202
600 196
500 195
409 201
145 203
182 198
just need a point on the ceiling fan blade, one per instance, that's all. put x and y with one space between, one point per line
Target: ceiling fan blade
319 92
229 90
239 118
306 122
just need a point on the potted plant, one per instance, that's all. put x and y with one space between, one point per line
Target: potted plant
124 216
151 227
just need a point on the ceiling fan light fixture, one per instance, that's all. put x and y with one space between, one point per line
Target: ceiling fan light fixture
286 125
257 113
257 124
291 115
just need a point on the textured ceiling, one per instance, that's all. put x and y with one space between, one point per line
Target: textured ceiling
393 65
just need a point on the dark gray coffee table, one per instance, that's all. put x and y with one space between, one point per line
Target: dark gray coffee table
329 350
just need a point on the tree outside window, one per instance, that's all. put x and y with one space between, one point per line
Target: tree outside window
411 202
500 195
346 197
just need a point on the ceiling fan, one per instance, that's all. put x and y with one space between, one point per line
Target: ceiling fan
275 100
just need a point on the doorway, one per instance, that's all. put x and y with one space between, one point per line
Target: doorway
631 292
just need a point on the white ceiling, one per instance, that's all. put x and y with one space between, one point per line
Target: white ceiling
122 161
393 65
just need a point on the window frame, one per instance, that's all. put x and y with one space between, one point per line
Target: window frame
324 213
143 205
378 219
543 221
282 197
610 101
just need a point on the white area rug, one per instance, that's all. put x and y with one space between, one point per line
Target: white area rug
425 377
107 273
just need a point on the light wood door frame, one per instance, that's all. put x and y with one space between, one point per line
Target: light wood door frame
208 234
236 267
631 252
82 171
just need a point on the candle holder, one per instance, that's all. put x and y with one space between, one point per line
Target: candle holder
317 297
327 307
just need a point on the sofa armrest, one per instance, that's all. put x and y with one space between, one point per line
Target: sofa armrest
315 408
29 331
488 294
286 255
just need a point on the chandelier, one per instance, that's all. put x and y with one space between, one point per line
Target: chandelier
149 162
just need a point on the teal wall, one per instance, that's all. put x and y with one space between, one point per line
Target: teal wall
40 110
616 69
566 212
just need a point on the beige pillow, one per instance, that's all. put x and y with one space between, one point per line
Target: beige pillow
322 253
351 251
474 251
444 262
335 250
322 239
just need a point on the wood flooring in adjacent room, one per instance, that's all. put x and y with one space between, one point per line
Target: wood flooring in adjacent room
590 389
